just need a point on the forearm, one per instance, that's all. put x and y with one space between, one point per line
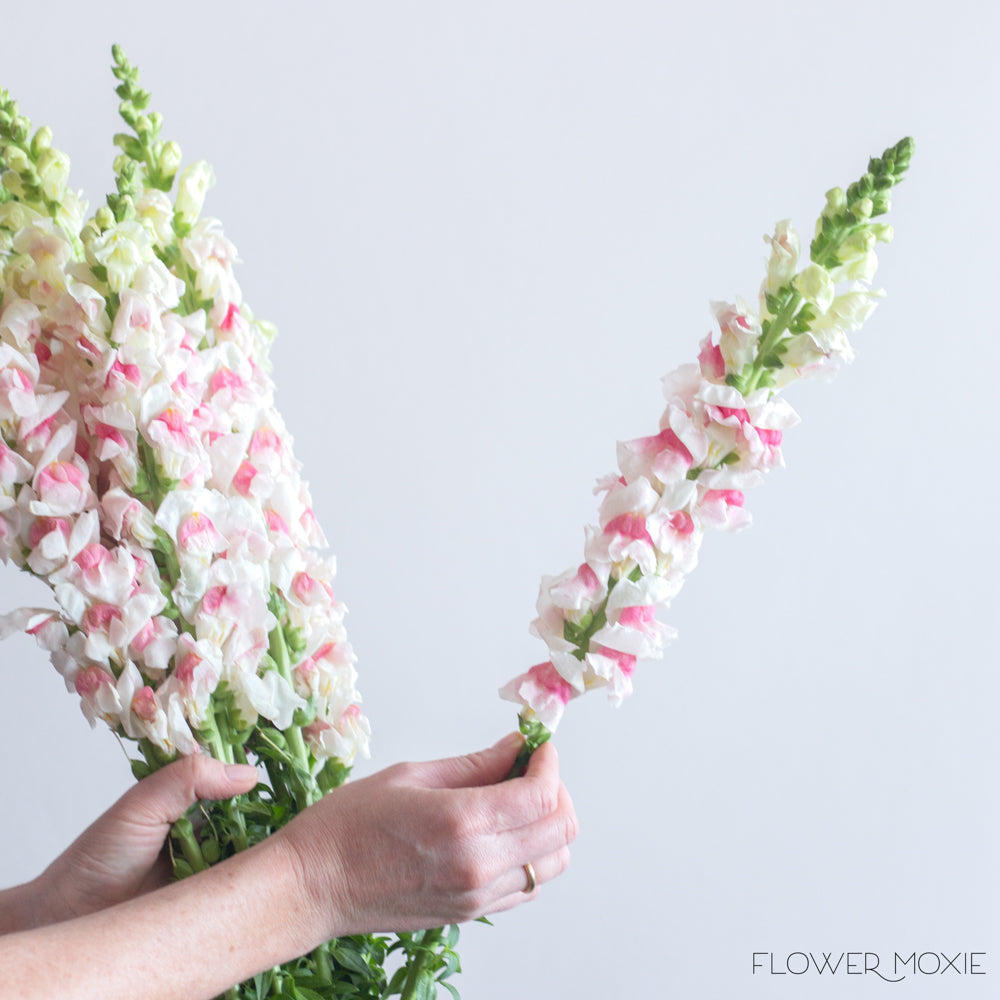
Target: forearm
192 939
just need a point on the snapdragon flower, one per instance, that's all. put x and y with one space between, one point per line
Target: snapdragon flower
720 433
145 473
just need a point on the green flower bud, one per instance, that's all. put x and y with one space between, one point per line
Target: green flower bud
15 215
11 180
169 159
126 208
862 209
860 242
104 218
17 159
836 201
304 717
296 641
882 231
192 186
42 140
813 283
19 129
53 171
90 231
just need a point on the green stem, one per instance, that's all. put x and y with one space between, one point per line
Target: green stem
221 750
415 967
776 329
183 834
305 791
535 734
321 956
579 635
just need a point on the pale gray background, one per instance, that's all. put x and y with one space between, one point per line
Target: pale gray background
484 231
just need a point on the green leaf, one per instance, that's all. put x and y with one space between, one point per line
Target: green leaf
396 983
182 869
451 965
129 145
276 737
450 988
303 993
349 958
140 769
211 850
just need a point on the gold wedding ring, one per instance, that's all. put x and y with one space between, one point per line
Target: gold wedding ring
530 872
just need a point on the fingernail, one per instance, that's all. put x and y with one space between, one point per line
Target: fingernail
241 772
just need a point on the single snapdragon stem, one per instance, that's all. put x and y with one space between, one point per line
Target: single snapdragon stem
305 791
209 732
426 944
321 957
535 734
183 833
155 757
231 754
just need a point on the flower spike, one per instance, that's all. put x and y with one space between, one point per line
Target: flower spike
720 433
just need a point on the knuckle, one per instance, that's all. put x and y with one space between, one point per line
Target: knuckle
197 767
572 828
455 824
562 860
473 905
545 798
468 874
402 774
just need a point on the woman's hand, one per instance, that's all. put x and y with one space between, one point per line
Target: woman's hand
420 845
121 855
417 845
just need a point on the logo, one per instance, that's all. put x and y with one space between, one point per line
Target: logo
900 966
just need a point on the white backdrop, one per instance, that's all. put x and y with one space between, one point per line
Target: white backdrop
484 230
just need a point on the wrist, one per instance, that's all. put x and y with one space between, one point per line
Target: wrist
290 890
315 881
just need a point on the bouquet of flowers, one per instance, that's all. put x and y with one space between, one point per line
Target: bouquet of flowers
147 478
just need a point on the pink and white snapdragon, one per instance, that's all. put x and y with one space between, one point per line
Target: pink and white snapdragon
720 433
147 477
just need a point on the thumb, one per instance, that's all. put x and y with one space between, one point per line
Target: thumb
486 767
168 793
